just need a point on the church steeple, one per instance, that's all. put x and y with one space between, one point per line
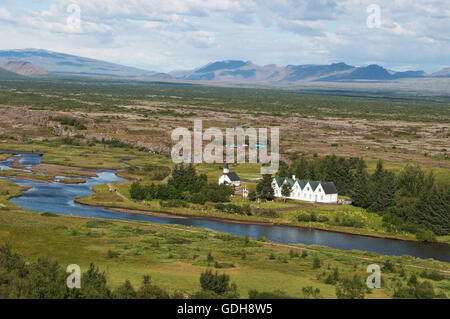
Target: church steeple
226 170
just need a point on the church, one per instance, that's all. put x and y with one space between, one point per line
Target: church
312 191
229 178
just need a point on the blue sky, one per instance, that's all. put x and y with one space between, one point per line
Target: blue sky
184 34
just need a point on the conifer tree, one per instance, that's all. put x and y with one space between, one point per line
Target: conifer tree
360 190
286 190
264 188
301 169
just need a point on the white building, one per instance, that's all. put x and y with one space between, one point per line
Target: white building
229 178
312 191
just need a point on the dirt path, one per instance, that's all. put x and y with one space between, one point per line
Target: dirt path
112 189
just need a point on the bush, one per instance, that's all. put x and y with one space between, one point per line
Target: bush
423 290
277 294
223 265
316 263
149 291
173 203
433 275
350 221
304 217
311 293
425 236
269 213
113 254
219 284
125 291
389 266
47 214
351 288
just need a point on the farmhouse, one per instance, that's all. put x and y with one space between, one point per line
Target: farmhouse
312 191
230 178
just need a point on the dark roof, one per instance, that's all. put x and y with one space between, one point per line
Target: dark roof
329 188
302 183
233 176
290 181
314 185
279 180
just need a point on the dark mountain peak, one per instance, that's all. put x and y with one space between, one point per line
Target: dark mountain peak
370 72
340 64
374 67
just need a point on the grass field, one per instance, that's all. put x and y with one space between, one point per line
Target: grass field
176 255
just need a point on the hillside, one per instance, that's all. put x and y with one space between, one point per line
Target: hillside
444 73
23 68
60 63
6 75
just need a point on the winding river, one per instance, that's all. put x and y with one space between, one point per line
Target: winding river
59 198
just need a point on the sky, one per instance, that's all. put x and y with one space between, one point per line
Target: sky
166 35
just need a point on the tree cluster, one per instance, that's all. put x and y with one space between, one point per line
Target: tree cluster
409 201
185 185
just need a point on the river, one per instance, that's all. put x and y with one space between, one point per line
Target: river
59 198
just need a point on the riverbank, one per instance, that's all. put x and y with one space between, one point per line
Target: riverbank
231 220
103 197
4 156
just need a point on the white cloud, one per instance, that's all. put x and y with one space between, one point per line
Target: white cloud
5 15
184 33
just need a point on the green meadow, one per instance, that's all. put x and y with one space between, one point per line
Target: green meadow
176 255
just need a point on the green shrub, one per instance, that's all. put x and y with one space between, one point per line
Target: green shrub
172 203
269 213
425 236
47 214
112 254
316 263
277 294
304 217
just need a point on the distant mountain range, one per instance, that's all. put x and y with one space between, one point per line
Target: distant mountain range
31 62
60 63
240 71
